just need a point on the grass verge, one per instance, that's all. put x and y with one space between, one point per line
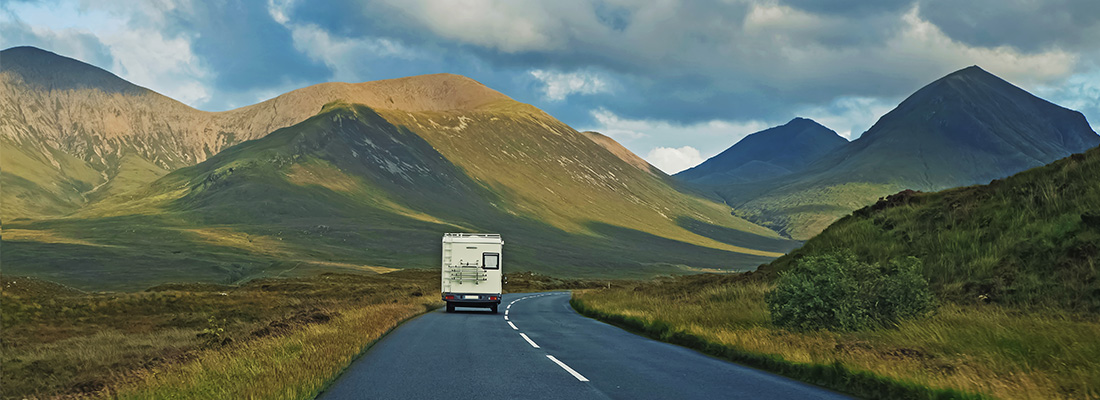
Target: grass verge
273 338
963 352
297 366
268 338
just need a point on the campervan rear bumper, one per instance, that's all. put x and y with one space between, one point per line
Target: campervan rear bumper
472 299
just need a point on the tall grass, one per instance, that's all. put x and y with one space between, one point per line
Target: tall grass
296 366
268 338
1022 241
982 349
277 338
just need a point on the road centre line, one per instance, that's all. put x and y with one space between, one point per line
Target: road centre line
571 371
567 369
532 342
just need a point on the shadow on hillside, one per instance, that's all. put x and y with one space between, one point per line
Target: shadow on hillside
637 247
736 237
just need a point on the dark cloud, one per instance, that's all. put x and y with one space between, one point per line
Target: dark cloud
1023 24
615 17
683 62
850 8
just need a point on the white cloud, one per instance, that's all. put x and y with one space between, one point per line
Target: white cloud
560 85
166 65
673 147
673 160
618 129
129 31
922 40
758 59
626 130
1079 92
78 44
278 10
849 116
820 57
505 25
794 54
344 55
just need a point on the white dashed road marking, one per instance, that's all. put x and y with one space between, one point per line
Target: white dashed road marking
532 342
571 371
567 369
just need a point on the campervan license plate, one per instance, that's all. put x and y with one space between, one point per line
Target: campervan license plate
471 297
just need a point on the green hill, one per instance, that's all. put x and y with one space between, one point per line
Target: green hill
966 128
110 185
356 188
1030 239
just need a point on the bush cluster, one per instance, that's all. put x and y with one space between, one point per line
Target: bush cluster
838 292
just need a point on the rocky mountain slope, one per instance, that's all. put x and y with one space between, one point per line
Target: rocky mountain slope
77 133
626 155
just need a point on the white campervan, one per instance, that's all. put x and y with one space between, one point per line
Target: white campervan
472 274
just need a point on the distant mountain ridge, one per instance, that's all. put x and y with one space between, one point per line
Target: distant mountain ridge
767 154
966 128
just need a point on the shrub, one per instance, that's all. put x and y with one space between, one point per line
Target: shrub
838 292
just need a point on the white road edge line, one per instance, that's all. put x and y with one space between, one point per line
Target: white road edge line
505 317
567 369
513 326
532 342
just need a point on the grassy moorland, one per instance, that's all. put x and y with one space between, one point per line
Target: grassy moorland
349 190
268 338
804 212
1012 264
961 351
265 338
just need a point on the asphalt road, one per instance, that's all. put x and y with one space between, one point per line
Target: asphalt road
476 354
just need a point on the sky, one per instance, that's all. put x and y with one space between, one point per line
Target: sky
675 81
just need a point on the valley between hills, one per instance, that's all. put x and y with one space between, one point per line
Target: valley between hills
333 177
103 178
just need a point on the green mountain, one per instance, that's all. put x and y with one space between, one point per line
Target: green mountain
1031 239
968 127
371 182
767 154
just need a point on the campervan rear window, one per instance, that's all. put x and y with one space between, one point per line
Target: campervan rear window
490 260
